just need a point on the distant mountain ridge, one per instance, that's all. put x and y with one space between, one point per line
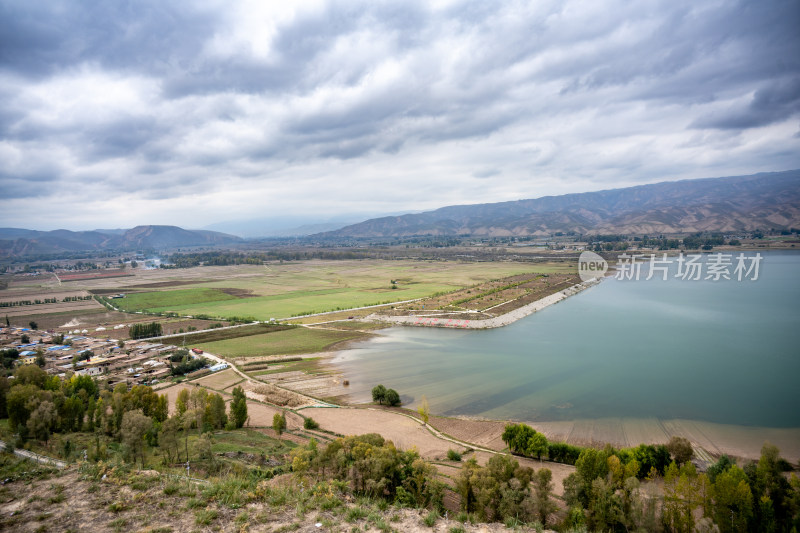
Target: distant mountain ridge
732 204
19 242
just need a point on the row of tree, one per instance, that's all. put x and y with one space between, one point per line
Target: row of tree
522 439
38 405
20 303
504 490
144 330
374 467
605 494
695 241
196 410
188 260
188 365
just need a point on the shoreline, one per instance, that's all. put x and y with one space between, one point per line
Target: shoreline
489 323
712 437
709 439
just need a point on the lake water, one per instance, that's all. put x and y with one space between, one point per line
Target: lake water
725 352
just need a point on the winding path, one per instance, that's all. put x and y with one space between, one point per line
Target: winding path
36 457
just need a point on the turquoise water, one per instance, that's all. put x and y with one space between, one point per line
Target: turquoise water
725 352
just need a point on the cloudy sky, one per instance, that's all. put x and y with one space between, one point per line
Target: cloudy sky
114 114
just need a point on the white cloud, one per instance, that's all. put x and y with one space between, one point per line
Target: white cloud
325 108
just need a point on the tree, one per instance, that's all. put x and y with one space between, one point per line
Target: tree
19 401
90 414
33 325
722 465
168 439
392 398
4 387
605 507
773 491
141 330
161 410
424 409
680 449
591 464
733 500
465 482
680 497
100 414
517 437
214 415
279 423
378 393
41 421
203 447
182 402
188 420
543 490
134 427
198 399
238 407
40 360
537 445
31 374
649 457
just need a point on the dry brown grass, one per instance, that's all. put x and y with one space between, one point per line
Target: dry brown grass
278 396
220 380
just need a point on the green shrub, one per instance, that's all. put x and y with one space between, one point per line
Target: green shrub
453 455
354 514
431 518
117 507
205 517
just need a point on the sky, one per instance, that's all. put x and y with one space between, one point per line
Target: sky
115 114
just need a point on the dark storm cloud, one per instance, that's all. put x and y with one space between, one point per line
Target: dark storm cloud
39 38
122 138
161 98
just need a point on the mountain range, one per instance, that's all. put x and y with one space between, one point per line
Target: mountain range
729 205
18 242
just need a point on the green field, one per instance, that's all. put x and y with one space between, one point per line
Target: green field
286 342
161 299
214 335
282 291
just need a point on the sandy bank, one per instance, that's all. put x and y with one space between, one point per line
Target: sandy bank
739 441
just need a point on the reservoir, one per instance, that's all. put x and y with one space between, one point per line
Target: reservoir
724 352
